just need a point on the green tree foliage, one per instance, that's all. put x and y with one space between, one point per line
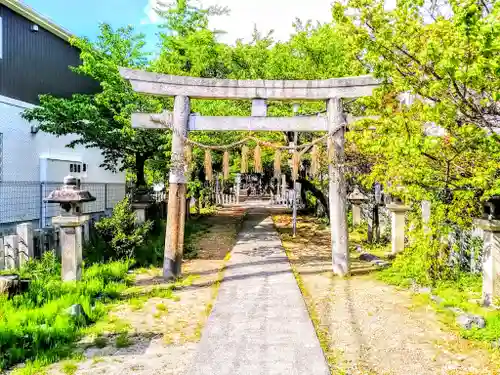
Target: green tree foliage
446 53
447 57
102 120
190 48
443 145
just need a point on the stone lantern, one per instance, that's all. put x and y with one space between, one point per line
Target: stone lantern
398 212
70 221
357 198
490 224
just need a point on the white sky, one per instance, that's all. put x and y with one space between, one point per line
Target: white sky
277 15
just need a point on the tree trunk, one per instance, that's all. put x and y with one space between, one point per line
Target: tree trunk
318 194
140 161
303 196
188 208
197 197
376 223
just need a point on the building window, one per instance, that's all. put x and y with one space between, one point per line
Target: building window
77 168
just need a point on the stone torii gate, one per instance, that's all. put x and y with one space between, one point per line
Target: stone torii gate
181 121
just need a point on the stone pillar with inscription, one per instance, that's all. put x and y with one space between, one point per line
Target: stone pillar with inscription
70 224
26 245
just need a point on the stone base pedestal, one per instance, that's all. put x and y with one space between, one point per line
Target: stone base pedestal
356 214
491 259
71 237
140 211
398 212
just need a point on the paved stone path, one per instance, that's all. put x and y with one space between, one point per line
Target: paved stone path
259 324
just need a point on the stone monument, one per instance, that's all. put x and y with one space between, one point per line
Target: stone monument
490 224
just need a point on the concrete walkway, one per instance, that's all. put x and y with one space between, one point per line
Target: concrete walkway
259 324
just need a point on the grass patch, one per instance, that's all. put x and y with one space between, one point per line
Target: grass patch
136 303
35 326
123 340
465 293
161 307
96 360
100 342
109 324
358 236
204 211
36 330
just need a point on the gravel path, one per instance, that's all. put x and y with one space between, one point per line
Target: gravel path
371 327
259 324
377 330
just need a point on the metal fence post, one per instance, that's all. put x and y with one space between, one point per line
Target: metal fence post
105 197
42 219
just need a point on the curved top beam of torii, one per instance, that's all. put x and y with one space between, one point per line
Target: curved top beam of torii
213 88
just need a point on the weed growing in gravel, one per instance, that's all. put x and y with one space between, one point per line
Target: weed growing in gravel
161 307
69 368
136 304
123 341
100 342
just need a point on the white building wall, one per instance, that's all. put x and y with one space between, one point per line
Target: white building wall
27 159
23 150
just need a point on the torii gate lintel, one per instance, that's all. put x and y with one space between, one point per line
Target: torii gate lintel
164 120
181 121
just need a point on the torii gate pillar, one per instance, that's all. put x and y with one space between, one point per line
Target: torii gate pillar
337 193
174 236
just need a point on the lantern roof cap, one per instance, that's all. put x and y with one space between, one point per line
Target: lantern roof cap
357 196
70 192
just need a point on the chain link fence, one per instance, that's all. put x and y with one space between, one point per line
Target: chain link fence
23 201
